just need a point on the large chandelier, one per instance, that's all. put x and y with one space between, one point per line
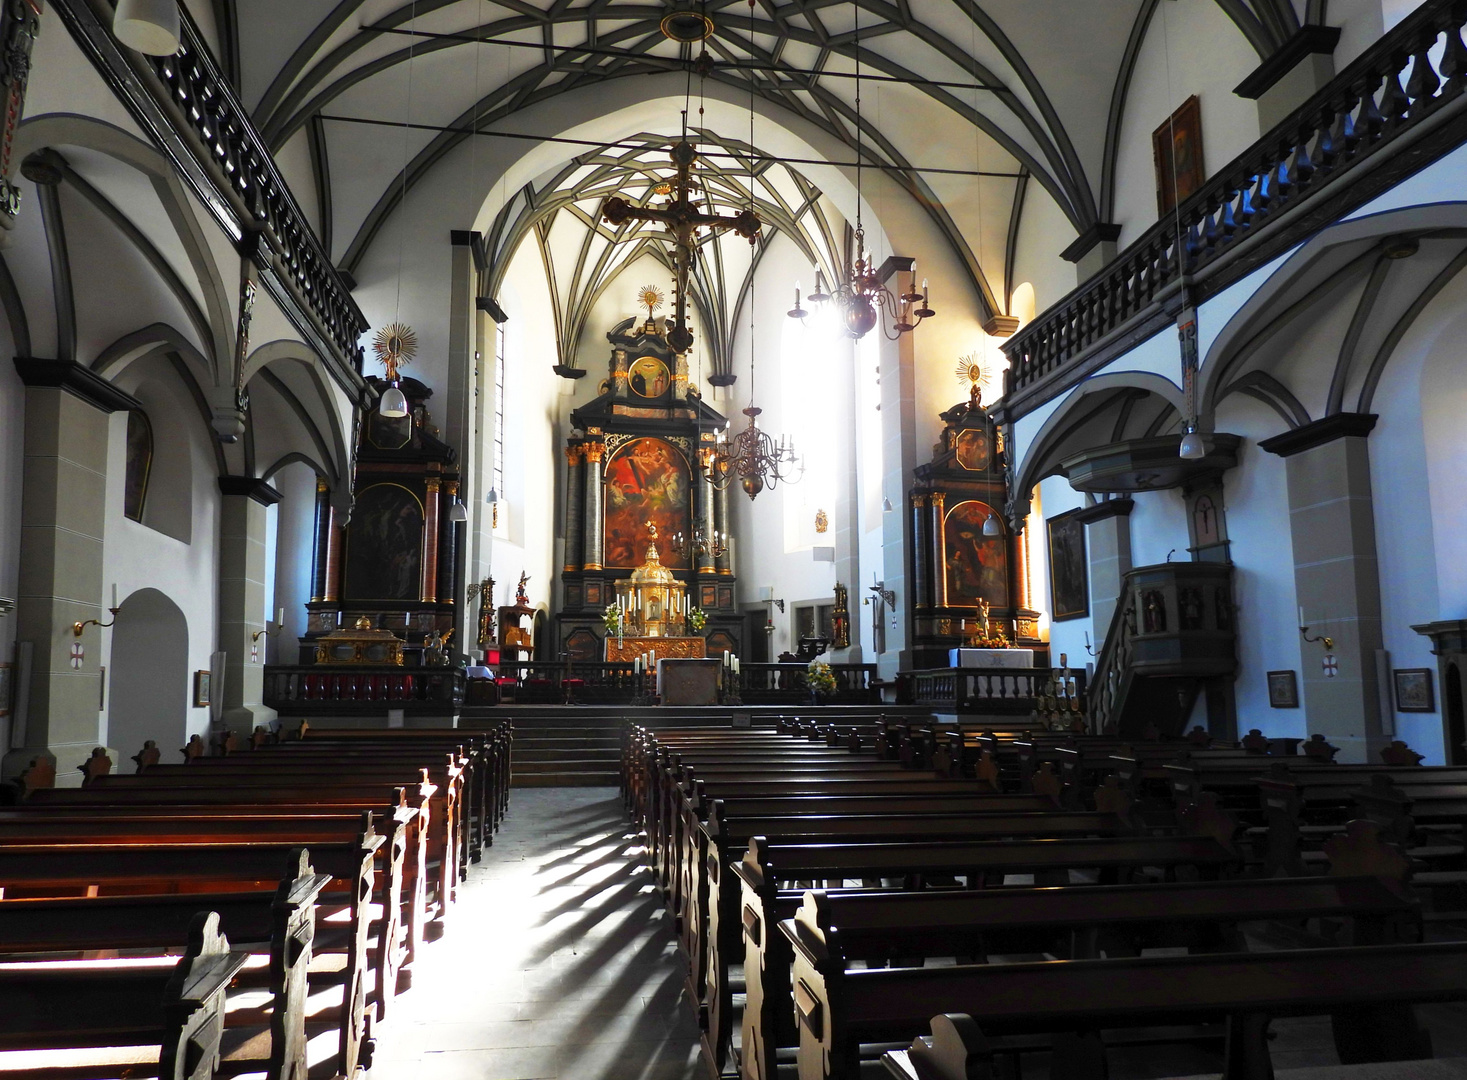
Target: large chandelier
862 298
752 458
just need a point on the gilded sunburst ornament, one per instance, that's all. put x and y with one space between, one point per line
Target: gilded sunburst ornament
395 344
973 373
650 297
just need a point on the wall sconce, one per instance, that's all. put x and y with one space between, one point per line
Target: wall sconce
78 627
267 632
1327 641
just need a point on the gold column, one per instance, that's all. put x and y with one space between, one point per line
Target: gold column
430 542
939 549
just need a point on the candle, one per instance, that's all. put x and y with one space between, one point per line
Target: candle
736 665
726 658
114 596
279 616
636 665
652 658
1301 616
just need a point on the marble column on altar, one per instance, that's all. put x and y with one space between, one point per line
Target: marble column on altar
430 542
595 507
242 597
707 564
724 562
574 482
921 549
321 549
937 500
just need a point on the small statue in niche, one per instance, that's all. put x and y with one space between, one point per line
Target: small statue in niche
521 597
1190 602
1153 612
1224 608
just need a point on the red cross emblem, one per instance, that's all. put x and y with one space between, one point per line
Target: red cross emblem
78 654
1331 665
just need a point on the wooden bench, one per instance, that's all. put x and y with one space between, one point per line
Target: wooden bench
102 868
1071 923
281 924
176 1007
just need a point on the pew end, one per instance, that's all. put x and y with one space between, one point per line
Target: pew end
956 1050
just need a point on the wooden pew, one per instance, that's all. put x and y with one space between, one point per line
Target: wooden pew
398 896
1368 991
283 923
766 864
177 1007
106 869
1070 923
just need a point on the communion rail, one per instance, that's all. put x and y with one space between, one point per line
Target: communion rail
989 691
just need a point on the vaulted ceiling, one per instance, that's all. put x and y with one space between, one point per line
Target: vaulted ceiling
1012 88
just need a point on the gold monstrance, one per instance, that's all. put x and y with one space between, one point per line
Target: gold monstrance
654 602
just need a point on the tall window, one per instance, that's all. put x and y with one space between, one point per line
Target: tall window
809 363
497 474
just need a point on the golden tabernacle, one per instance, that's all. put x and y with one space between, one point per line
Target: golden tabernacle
652 613
359 645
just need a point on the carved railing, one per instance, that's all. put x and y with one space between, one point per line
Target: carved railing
780 684
1113 663
992 691
1399 86
360 689
197 118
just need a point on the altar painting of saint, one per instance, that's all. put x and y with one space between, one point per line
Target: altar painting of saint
384 545
646 480
977 565
649 377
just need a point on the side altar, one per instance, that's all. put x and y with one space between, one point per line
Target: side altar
635 459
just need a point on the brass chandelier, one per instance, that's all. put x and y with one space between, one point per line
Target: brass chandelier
752 458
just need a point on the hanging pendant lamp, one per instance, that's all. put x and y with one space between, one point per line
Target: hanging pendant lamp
149 26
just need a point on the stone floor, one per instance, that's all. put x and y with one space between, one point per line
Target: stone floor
558 961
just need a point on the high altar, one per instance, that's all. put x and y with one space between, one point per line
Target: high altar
652 605
634 459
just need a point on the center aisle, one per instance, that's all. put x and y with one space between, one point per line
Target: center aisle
559 960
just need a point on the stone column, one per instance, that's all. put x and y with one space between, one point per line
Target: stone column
921 553
242 596
574 489
1336 578
725 562
63 507
430 542
595 509
707 521
938 501
1108 548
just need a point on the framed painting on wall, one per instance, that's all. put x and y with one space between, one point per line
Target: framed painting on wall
1283 690
201 689
1069 581
1176 147
1414 691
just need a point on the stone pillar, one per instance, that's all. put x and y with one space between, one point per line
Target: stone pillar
725 562
938 502
63 507
430 542
921 553
707 521
1336 578
242 597
321 556
595 509
1108 548
574 486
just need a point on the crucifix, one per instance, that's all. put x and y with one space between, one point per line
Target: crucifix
683 219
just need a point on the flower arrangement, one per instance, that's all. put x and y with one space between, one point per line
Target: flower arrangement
820 678
697 619
611 619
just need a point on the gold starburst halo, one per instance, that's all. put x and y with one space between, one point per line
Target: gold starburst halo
395 344
650 297
972 371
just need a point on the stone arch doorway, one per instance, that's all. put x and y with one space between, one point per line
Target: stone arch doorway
149 676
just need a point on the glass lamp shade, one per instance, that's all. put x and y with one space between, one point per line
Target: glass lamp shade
457 511
149 26
394 403
1192 447
991 527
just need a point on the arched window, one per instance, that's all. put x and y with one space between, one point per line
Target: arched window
810 378
139 464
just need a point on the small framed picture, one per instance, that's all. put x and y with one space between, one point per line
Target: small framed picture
1413 690
201 689
1283 689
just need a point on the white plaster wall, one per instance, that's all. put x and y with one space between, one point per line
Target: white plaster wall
1056 497
1044 232
1191 47
295 531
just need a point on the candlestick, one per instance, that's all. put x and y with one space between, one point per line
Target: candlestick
114 596
279 616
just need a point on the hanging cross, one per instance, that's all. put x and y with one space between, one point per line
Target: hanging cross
683 220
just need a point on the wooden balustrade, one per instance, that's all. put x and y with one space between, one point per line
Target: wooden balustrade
361 689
